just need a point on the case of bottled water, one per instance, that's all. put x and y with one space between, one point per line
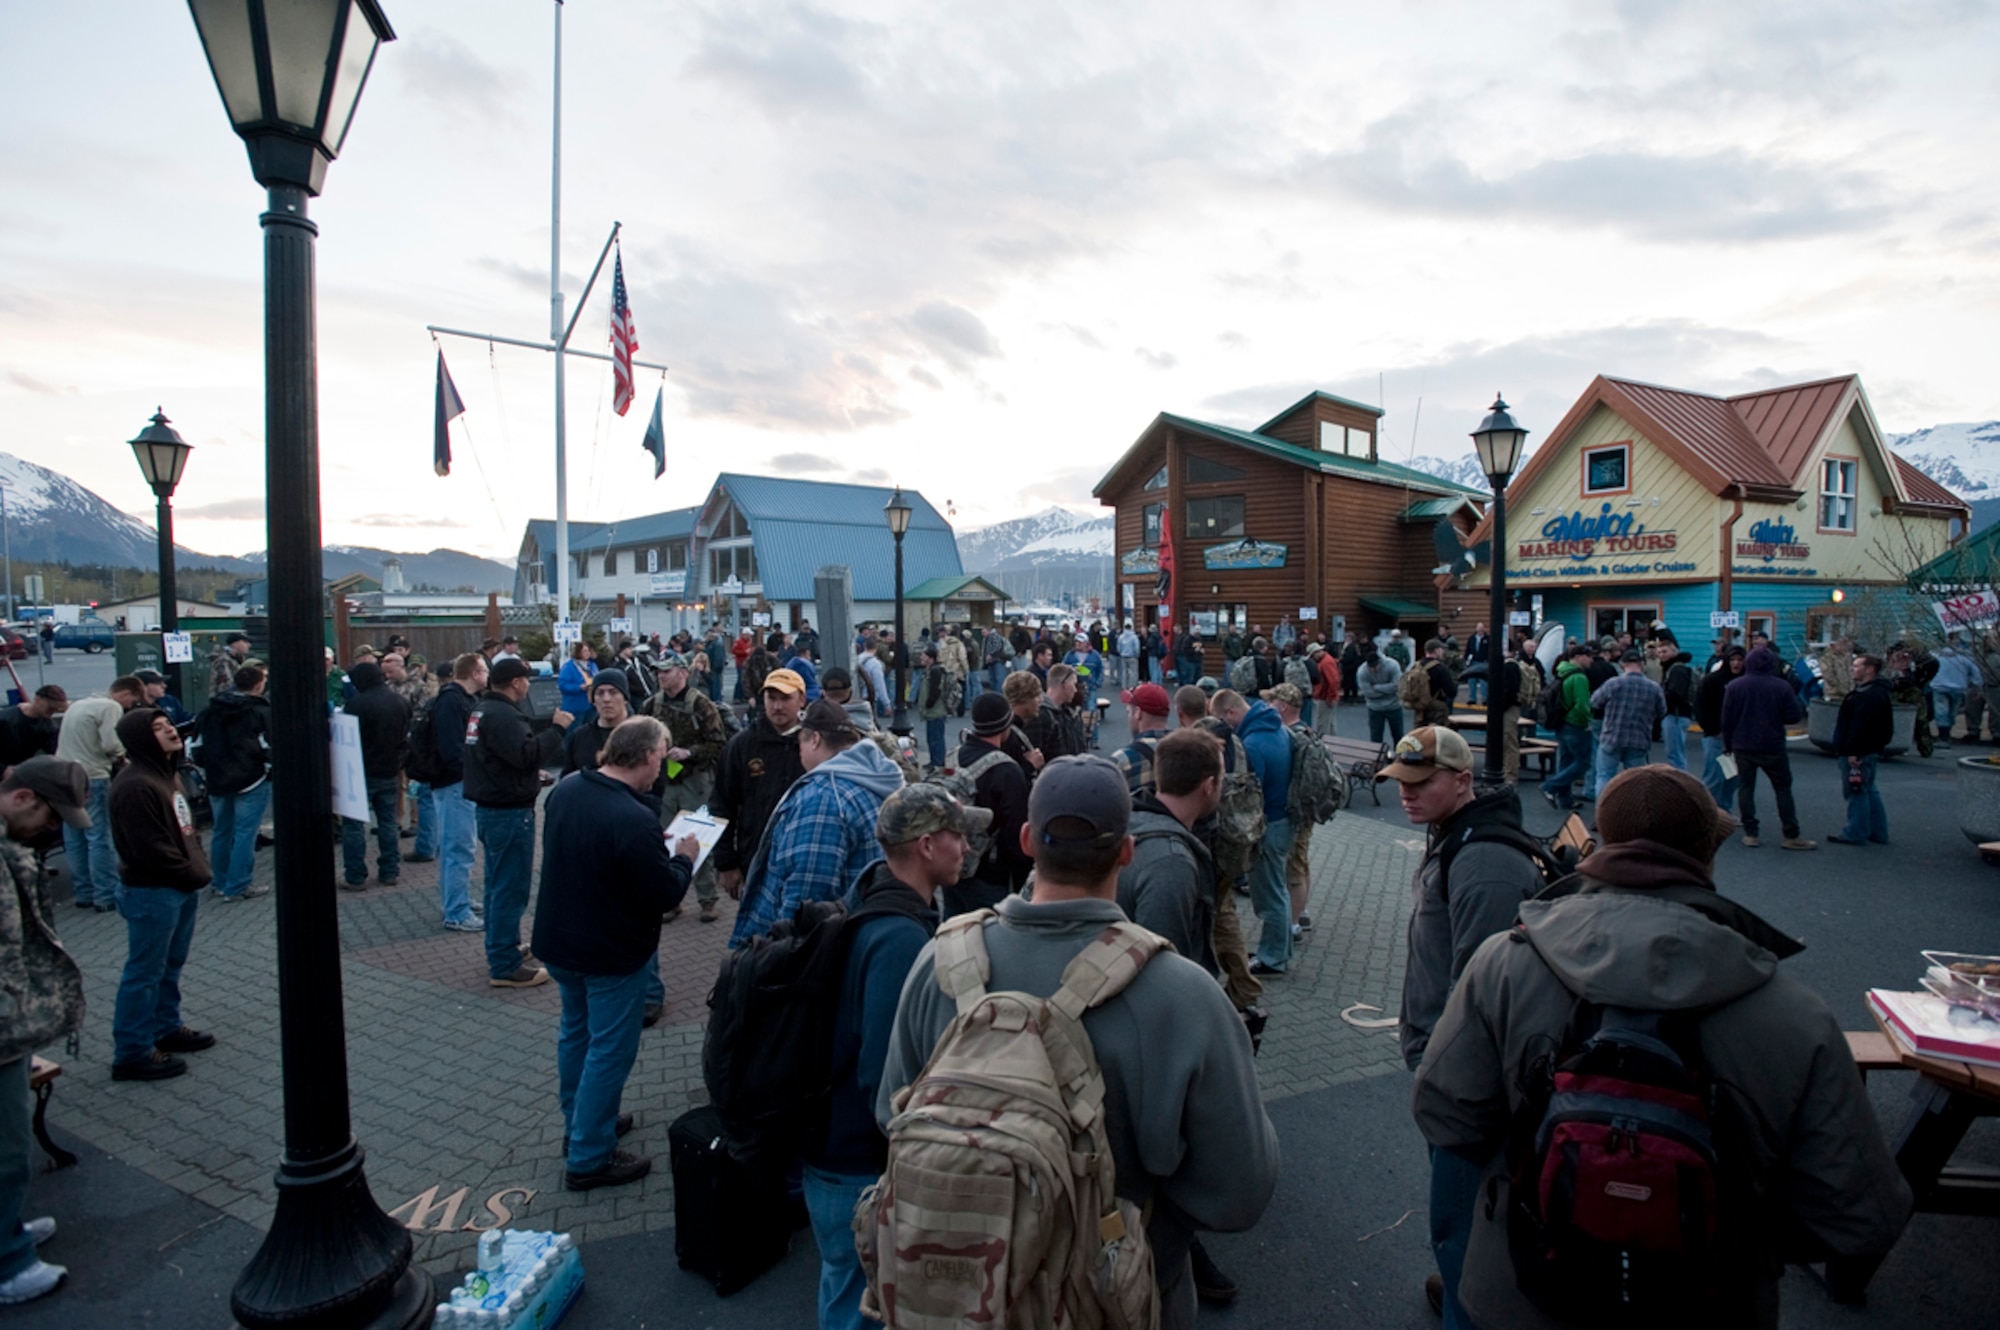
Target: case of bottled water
525 1281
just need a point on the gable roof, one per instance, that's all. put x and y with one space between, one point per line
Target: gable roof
798 527
779 498
1317 396
1360 468
948 588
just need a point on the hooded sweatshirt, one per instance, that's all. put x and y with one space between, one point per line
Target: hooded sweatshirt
1661 939
1757 707
385 722
152 826
820 838
1269 745
1169 887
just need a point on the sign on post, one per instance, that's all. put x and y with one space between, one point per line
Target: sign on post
178 647
1725 619
350 778
568 633
1977 609
622 627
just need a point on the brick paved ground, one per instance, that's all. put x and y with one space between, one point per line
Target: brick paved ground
454 1081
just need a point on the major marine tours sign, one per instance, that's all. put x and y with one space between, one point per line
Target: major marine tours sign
1142 562
1245 554
1606 543
1772 538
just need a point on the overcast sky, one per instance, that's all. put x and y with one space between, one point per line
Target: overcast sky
975 249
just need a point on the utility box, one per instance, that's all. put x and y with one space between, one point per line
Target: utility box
833 615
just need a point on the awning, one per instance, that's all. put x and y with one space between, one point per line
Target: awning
1400 609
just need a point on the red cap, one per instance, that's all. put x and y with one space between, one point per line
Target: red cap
1149 698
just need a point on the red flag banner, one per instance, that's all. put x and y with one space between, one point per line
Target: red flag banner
1166 583
624 338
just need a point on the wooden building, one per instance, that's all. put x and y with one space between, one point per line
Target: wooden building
1298 519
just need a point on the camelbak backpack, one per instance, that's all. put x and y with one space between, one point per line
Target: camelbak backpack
1317 785
963 784
998 1207
1413 689
1243 675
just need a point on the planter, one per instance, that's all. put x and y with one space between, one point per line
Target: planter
1822 713
1979 799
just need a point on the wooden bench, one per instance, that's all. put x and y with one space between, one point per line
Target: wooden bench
42 1080
1357 760
1873 1051
1575 837
1540 752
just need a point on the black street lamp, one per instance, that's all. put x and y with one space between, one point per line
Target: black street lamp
163 455
897 510
1498 441
290 74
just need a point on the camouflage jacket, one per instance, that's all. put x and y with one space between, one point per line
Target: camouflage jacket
416 690
42 986
692 723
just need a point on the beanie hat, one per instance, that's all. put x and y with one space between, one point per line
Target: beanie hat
1665 805
991 715
612 677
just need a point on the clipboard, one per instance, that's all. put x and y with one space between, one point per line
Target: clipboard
698 824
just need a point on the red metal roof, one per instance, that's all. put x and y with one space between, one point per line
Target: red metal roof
1922 489
1709 428
1789 421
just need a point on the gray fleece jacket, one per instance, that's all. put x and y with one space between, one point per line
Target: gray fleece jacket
1663 940
1182 1111
1169 887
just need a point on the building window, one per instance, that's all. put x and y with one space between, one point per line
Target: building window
1201 471
1838 482
1611 620
1215 519
677 556
1346 441
652 561
1149 533
1159 480
739 561
536 576
1607 470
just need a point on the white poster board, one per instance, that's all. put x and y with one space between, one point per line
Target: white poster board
568 633
350 778
1520 619
1308 613
1725 619
698 824
1128 597
1978 609
178 648
621 627
760 618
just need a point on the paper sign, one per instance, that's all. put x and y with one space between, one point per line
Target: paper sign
1724 619
760 618
568 633
623 626
179 647
1979 609
698 824
350 778
1520 619
1128 597
1308 613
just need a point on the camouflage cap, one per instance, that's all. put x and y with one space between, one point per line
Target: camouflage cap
1288 693
62 784
923 810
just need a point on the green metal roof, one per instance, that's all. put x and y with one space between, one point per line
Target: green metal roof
1317 396
1974 561
1425 510
1388 473
948 588
1400 609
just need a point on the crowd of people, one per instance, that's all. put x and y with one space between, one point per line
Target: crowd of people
1008 864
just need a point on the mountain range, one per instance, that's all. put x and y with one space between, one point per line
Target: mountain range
1045 556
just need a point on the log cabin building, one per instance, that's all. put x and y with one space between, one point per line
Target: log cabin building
1298 519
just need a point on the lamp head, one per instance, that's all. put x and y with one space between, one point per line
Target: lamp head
162 455
1498 441
897 511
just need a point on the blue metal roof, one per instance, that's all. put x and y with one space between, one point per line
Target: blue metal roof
789 553
773 498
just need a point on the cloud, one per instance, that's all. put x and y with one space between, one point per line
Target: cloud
954 333
1156 359
1232 340
799 60
35 385
443 70
791 462
925 377
872 476
224 510
400 520
1068 487
1083 335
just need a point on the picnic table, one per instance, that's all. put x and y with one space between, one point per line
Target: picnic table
1540 752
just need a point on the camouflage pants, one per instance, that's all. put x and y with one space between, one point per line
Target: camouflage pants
1298 866
689 792
1231 955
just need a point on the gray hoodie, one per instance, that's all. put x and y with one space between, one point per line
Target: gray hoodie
1169 887
1377 681
1771 1046
1187 1127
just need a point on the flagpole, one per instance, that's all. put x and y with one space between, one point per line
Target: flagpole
556 332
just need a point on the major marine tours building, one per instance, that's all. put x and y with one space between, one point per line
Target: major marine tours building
1299 518
751 548
1648 503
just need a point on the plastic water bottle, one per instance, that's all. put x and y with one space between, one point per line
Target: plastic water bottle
492 1250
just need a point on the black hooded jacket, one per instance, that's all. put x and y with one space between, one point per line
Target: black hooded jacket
152 826
385 722
234 737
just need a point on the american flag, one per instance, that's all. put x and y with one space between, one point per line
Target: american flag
624 339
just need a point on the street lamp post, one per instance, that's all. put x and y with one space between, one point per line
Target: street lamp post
290 75
897 511
163 455
1498 441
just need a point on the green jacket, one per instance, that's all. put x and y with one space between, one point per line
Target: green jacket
41 990
1575 685
933 691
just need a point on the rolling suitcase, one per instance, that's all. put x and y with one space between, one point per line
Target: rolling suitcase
731 1223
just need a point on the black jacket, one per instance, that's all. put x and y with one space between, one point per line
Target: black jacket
152 826
1601 672
504 756
1444 688
758 765
1051 730
234 738
1003 790
607 877
23 736
1866 723
1680 688
448 716
1708 699
385 722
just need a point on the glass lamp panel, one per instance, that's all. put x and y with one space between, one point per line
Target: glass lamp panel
301 37
357 53
232 55
142 451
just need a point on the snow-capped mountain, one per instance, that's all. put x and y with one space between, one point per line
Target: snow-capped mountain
446 569
1964 458
1462 471
1052 535
51 517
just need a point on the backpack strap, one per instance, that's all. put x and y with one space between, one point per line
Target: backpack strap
985 764
960 960
1102 970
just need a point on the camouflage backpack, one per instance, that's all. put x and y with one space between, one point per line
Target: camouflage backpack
1413 690
997 1207
963 784
1243 676
1317 786
1239 818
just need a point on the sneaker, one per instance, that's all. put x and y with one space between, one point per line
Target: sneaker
525 977
184 1040
473 925
85 905
1839 839
1434 1293
1798 843
106 907
1305 923
155 1066
620 1169
1210 1284
249 893
710 912
389 881
1750 841
41 1230
419 858
32 1283
362 885
1263 971
528 956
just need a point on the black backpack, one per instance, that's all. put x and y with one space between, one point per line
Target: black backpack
1554 862
1616 1174
1549 707
768 1055
423 762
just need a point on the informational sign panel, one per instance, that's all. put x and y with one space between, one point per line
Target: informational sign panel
1128 597
1308 614
622 626
1725 619
1520 619
179 647
1202 623
1976 609
568 633
760 618
350 778
668 584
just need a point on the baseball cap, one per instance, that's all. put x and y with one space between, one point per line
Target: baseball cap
1424 752
509 670
1632 656
674 660
924 810
1149 698
1086 789
234 638
1287 693
149 676
824 717
785 681
64 784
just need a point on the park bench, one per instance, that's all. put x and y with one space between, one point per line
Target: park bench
42 1075
1575 837
1357 760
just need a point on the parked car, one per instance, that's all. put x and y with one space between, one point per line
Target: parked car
14 645
93 636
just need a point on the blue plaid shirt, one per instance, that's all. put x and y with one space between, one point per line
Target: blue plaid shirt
820 839
1632 705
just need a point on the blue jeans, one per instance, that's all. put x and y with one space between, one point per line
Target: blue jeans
455 842
508 834
1306 711
1379 721
1611 761
159 926
1270 897
1723 789
1674 729
232 846
427 820
1867 819
1454 1194
1946 703
830 1201
996 674
1475 692
1574 755
1590 772
354 836
17 1249
598 1039
934 740
93 862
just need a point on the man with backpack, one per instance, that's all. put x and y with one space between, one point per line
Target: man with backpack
1565 712
1146 709
233 748
1440 686
1269 747
1235 839
1312 797
1181 1145
384 722
1479 867
934 685
1637 974
997 785
1378 679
